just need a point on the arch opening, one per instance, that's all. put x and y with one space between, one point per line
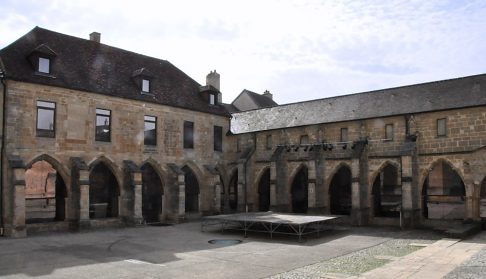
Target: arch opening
103 192
45 194
191 190
264 191
482 199
340 192
299 191
443 194
233 191
387 194
152 194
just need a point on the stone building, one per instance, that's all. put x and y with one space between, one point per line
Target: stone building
96 136
411 156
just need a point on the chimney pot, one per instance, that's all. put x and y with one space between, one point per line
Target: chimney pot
95 37
268 94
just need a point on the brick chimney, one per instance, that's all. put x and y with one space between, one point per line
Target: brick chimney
213 79
95 37
268 94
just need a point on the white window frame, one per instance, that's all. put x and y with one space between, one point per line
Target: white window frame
44 65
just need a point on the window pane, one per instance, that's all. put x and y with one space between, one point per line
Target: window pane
389 131
103 125
45 119
441 127
145 85
211 99
188 134
344 134
43 65
103 111
46 104
150 131
218 138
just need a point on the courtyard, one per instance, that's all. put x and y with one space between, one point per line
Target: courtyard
183 251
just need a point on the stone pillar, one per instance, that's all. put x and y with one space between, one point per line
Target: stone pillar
217 197
16 227
80 193
410 213
355 193
181 212
273 187
84 196
137 196
241 207
311 188
214 184
131 197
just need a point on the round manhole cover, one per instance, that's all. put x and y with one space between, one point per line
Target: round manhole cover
225 241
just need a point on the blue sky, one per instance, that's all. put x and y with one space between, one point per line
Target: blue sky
298 50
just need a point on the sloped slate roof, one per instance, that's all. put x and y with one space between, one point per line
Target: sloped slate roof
440 95
260 100
94 67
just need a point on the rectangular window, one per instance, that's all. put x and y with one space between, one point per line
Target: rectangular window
211 99
150 130
46 115
43 65
269 143
441 127
389 131
304 139
145 85
188 134
218 138
103 125
344 134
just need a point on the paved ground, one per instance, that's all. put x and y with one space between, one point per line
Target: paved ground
182 251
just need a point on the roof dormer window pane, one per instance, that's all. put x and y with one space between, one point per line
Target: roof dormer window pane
211 99
146 85
43 65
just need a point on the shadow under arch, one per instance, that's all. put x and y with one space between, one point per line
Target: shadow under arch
386 193
47 188
153 191
263 189
482 199
233 190
105 188
192 187
443 191
339 189
299 189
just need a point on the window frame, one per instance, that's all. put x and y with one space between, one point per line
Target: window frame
218 135
145 83
444 134
188 143
99 137
45 133
153 120
344 134
39 64
387 126
212 99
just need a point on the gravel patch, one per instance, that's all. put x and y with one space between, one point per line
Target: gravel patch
361 261
475 267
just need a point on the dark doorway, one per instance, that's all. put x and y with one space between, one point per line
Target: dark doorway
443 194
264 191
233 191
387 194
45 194
103 192
340 192
300 191
192 190
152 193
482 203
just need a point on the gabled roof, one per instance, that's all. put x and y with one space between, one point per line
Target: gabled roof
98 68
433 96
258 100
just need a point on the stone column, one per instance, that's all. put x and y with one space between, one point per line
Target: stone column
410 213
273 187
311 188
137 196
18 228
80 193
84 196
241 188
355 193
131 197
181 212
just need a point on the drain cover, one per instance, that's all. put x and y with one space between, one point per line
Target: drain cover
225 241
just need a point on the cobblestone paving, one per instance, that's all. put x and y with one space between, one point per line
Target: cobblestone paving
358 262
473 268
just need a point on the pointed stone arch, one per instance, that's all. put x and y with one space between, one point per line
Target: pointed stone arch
338 186
263 189
385 192
443 194
106 188
154 192
233 190
47 190
299 189
193 181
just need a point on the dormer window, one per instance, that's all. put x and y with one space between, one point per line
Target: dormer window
211 99
44 65
145 85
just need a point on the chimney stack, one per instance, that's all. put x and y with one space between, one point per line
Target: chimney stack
213 79
95 37
268 94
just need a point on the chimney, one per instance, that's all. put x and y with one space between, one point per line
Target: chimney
213 79
268 94
95 37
